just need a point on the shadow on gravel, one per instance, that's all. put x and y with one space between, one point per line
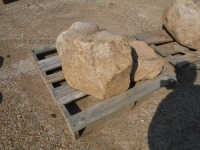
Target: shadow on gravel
1 64
1 61
1 97
9 1
176 123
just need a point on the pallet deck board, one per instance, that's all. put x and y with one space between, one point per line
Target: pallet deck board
49 61
166 49
154 37
59 89
182 60
44 49
51 67
55 77
63 92
71 97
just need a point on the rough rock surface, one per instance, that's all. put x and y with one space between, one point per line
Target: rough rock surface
182 20
147 64
77 30
98 64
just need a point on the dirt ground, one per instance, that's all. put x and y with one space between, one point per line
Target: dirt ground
168 120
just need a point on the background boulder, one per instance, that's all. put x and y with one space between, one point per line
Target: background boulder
182 20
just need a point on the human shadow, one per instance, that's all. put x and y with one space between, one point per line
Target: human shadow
176 122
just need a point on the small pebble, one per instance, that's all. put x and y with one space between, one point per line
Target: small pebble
53 115
111 4
7 56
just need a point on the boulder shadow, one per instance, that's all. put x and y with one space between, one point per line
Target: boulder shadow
176 122
134 67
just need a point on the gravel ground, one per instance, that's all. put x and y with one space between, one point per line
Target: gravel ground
29 118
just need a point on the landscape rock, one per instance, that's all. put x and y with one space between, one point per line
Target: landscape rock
98 64
182 20
147 64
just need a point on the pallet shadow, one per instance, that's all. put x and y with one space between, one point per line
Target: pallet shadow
73 108
176 122
1 64
9 1
1 97
1 61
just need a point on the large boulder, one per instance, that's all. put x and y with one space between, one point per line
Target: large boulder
98 64
182 20
147 64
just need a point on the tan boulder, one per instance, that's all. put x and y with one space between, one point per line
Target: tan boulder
147 64
182 20
98 64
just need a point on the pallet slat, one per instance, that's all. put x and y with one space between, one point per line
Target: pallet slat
49 61
51 67
44 49
155 37
182 60
55 77
166 49
195 66
60 89
186 50
64 92
71 97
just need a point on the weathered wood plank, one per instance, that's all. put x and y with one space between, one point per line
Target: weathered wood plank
195 66
71 97
51 67
55 77
63 91
154 37
51 55
185 50
180 61
64 83
166 49
49 61
115 104
59 89
44 49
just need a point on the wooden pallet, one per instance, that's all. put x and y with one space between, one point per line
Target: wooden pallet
83 121
179 56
